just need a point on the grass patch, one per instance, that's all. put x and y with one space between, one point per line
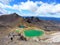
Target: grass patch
17 31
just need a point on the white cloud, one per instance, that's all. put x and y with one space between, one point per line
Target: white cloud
5 1
43 9
29 6
3 11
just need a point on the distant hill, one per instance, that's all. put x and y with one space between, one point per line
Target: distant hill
42 23
10 20
50 18
46 18
1 13
13 20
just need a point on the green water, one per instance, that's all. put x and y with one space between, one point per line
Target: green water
33 33
21 26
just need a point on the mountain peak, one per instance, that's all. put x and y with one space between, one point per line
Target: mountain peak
15 14
9 17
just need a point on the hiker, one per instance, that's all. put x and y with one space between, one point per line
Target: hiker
11 38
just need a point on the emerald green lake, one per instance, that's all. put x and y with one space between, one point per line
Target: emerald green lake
33 33
21 26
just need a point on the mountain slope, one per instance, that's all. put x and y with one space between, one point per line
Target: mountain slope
10 20
13 20
43 24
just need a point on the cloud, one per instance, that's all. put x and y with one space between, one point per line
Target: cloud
3 11
5 1
44 8
34 8
29 5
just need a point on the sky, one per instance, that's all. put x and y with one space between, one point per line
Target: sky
44 8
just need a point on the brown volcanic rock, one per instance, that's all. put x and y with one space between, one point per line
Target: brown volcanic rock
10 20
46 25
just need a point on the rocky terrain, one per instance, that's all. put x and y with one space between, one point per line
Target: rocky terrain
11 20
46 25
9 24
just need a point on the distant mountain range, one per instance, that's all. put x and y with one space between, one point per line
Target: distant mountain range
43 24
12 20
47 18
50 18
1 13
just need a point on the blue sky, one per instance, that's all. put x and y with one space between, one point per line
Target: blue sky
46 8
45 1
